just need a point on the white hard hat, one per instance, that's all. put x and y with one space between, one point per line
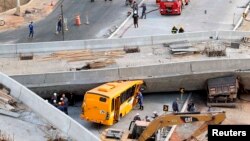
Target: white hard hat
54 101
155 112
55 94
137 114
61 98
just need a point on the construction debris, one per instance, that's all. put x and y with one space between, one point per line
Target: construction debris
213 51
181 47
245 39
131 49
96 64
5 137
27 56
83 55
96 59
8 105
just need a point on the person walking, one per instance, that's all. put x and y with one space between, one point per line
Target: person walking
144 8
140 100
31 29
135 17
175 105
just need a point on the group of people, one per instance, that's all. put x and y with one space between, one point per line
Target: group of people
176 30
147 118
136 14
58 27
62 102
190 106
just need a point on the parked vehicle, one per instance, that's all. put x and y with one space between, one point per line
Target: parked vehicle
107 103
222 91
172 7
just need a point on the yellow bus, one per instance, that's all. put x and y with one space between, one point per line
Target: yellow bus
107 103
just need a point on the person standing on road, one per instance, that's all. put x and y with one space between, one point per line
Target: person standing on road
135 17
66 103
144 8
175 105
59 24
135 6
140 100
31 29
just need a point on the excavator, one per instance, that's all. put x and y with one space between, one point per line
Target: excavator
144 130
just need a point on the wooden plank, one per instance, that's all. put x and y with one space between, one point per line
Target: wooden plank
9 113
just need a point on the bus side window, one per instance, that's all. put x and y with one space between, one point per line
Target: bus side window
133 89
112 105
123 97
102 99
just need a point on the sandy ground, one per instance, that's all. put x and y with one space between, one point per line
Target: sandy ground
39 9
238 115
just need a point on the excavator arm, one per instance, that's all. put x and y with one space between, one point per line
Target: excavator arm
181 118
216 119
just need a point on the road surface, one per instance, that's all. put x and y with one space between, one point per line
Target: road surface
101 16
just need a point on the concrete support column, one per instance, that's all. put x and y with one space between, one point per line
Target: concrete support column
18 9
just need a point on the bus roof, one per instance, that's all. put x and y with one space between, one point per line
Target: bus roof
111 89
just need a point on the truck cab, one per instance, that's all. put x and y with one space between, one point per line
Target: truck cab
172 7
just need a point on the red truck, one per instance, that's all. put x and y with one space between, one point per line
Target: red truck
172 7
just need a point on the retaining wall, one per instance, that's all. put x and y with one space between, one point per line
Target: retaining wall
48 47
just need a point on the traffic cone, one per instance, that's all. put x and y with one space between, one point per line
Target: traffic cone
52 3
78 20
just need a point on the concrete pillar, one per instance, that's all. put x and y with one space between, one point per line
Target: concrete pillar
18 9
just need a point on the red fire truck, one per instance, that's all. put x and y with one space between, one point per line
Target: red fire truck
172 7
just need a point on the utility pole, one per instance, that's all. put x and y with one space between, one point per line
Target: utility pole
62 21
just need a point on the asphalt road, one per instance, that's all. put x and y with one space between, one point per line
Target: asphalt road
101 16
219 15
152 102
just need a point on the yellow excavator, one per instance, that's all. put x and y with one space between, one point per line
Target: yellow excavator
143 130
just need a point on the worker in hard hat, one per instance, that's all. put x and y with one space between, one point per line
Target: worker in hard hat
181 30
54 103
155 115
174 30
54 97
61 106
137 117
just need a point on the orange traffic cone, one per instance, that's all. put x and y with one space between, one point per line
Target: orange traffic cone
78 20
52 3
